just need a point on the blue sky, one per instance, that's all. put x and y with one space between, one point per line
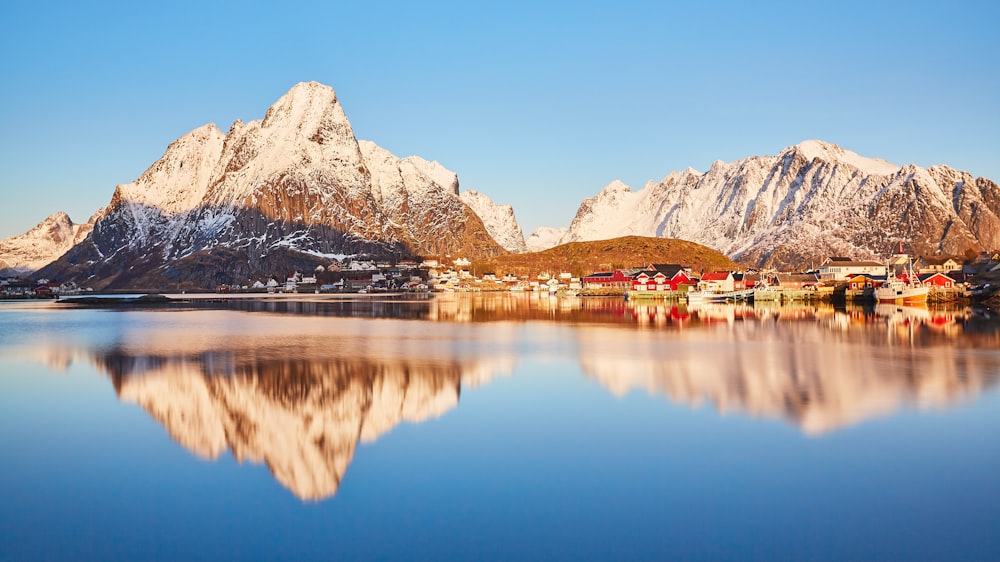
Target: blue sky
538 105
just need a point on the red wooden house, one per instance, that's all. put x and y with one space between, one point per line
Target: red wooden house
938 280
681 281
617 279
649 280
859 282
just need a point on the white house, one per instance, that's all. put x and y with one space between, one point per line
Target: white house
722 281
841 269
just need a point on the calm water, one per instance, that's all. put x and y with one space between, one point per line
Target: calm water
497 428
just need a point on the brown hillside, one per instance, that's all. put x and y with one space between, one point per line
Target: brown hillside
584 258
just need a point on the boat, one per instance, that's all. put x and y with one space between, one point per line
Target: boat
898 291
899 314
694 297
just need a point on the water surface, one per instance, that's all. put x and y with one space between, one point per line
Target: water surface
497 427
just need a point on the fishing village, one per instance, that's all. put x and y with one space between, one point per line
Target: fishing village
902 279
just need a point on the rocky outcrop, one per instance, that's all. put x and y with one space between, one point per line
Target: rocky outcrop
499 220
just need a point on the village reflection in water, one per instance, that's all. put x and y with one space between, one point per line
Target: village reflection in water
964 326
298 392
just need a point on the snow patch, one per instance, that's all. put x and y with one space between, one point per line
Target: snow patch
827 152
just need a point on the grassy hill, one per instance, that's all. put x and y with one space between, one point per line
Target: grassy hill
584 258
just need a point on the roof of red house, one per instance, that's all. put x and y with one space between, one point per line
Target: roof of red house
926 276
668 269
716 276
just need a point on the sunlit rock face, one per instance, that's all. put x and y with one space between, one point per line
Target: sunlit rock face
301 418
823 378
498 219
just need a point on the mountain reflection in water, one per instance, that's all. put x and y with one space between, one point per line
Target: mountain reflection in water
301 417
298 392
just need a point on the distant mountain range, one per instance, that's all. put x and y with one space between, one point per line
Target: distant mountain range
296 189
49 239
811 201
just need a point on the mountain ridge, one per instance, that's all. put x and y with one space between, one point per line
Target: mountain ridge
296 189
810 201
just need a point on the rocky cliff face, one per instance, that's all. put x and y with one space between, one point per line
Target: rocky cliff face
51 238
297 185
499 221
809 202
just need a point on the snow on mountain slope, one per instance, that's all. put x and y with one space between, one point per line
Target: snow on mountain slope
615 211
810 201
304 135
499 220
419 196
545 237
45 242
394 179
178 182
813 149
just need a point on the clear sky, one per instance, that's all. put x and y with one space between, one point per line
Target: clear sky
535 104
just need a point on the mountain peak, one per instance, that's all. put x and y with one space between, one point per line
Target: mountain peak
304 102
616 186
829 152
59 216
309 92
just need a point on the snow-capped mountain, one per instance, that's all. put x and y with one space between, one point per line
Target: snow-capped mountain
49 239
499 220
811 201
544 238
219 207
